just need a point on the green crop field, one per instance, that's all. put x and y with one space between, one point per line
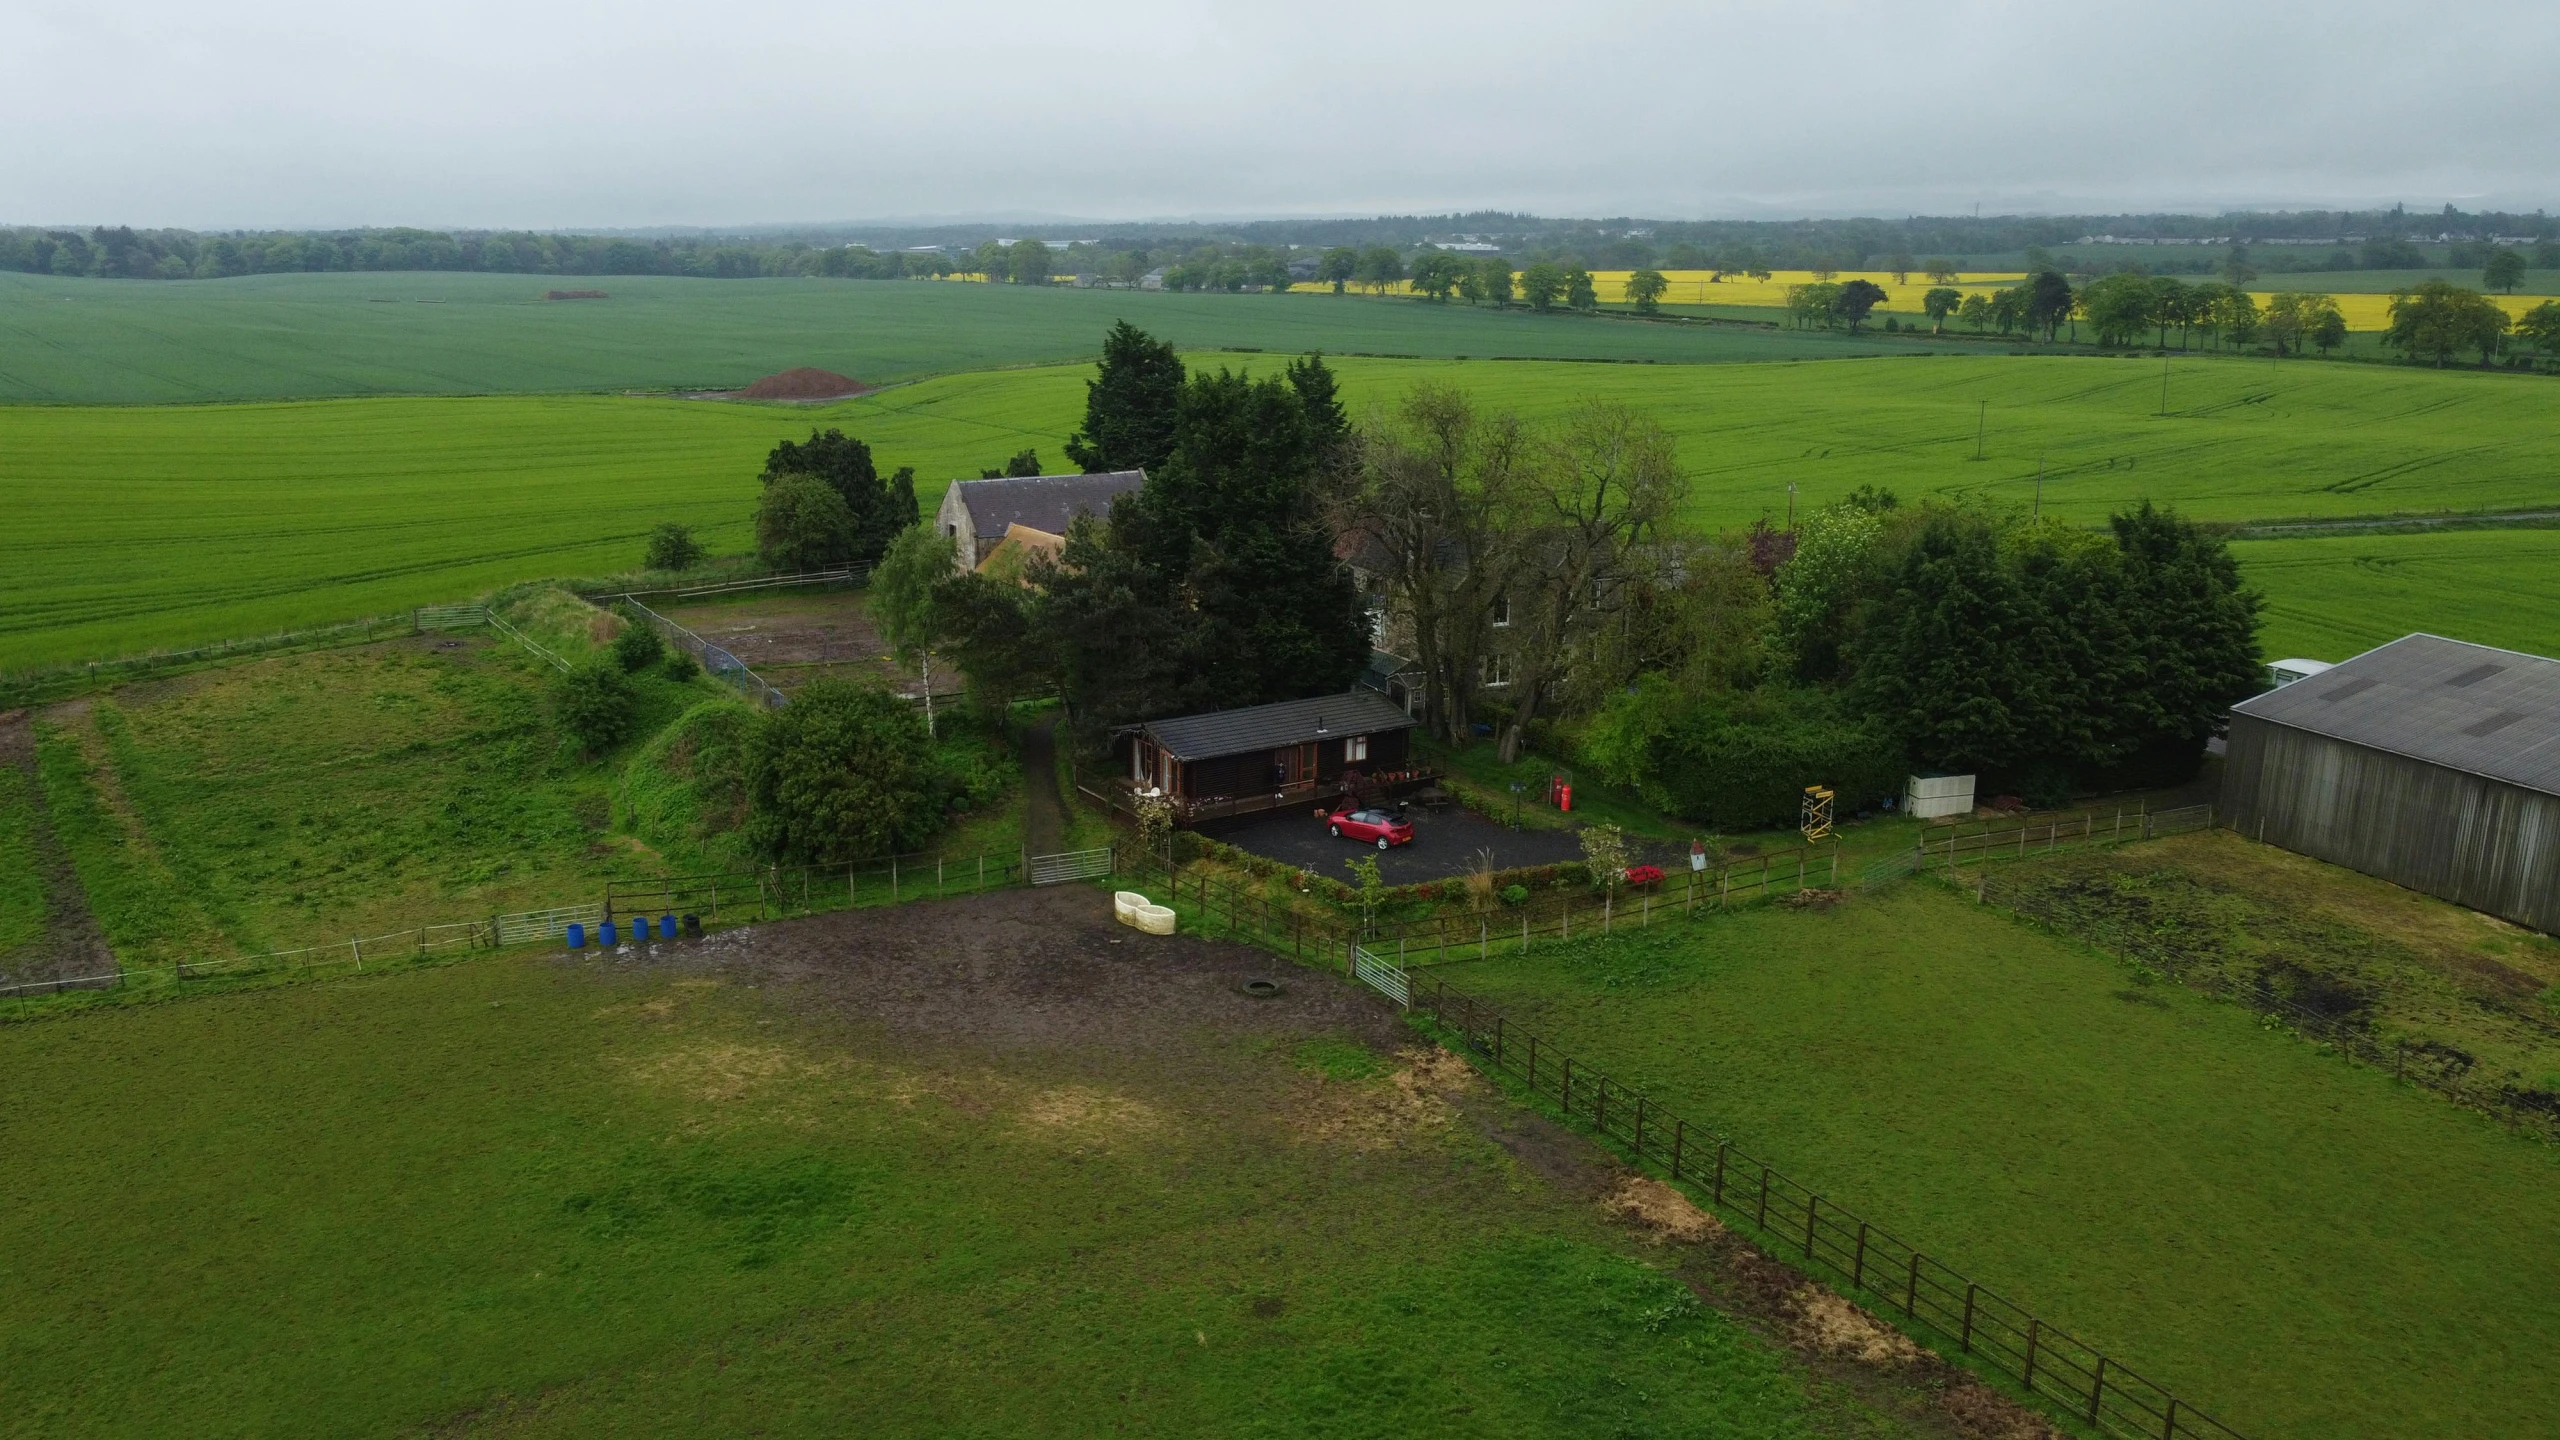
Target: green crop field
530 1197
297 336
2298 1244
2329 597
155 526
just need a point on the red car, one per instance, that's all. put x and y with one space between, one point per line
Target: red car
1375 825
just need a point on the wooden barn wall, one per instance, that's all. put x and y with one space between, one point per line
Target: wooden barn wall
2491 846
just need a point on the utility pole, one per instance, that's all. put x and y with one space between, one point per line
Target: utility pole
1791 505
2039 510
1982 410
2164 384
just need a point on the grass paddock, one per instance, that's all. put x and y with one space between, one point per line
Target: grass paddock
2297 1244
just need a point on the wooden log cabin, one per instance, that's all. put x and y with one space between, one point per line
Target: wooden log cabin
1236 762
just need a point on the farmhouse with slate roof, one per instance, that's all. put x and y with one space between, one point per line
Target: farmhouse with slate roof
2430 763
980 513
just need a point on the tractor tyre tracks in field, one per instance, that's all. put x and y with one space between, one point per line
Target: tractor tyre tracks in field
72 945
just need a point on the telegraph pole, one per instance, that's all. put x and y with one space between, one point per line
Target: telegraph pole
2164 384
1982 410
2039 511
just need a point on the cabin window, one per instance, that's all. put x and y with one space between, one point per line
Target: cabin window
1355 748
1138 762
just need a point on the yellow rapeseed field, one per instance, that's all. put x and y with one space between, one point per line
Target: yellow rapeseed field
1702 287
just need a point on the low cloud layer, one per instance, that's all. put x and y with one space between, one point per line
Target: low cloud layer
471 113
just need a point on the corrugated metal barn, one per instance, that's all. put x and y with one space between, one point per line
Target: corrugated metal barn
2429 762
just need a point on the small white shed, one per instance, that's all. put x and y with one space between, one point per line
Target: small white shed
1927 797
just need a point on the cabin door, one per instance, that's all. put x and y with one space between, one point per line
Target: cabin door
1306 764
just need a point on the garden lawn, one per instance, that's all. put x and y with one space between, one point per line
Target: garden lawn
527 1196
2301 1246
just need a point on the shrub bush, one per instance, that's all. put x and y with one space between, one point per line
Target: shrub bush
681 665
1740 760
638 646
1515 894
672 547
843 772
595 705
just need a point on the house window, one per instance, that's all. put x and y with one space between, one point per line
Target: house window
1496 670
1502 610
1355 748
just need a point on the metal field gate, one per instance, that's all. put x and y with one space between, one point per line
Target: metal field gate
531 925
1381 976
1069 865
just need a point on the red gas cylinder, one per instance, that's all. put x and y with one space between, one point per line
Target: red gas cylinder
1564 797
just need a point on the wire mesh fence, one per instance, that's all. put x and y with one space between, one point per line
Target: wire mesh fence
1503 929
1966 842
355 952
717 662
784 890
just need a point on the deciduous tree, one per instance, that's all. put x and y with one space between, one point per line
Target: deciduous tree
1541 284
802 524
1338 266
1644 290
2505 270
1587 512
1856 300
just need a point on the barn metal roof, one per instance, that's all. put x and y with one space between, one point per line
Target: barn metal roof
1269 727
1046 503
2490 712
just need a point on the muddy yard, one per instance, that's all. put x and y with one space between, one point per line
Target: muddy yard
1032 1008
791 639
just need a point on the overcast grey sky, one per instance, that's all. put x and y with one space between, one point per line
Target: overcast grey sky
543 114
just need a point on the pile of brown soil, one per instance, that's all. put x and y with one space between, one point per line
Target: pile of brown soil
573 295
805 383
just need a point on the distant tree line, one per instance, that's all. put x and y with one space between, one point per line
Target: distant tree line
123 253
1251 255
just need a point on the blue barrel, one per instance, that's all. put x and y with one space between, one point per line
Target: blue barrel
666 927
577 936
605 935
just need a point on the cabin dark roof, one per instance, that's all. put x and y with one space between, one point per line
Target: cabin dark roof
2494 713
1046 503
1269 727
